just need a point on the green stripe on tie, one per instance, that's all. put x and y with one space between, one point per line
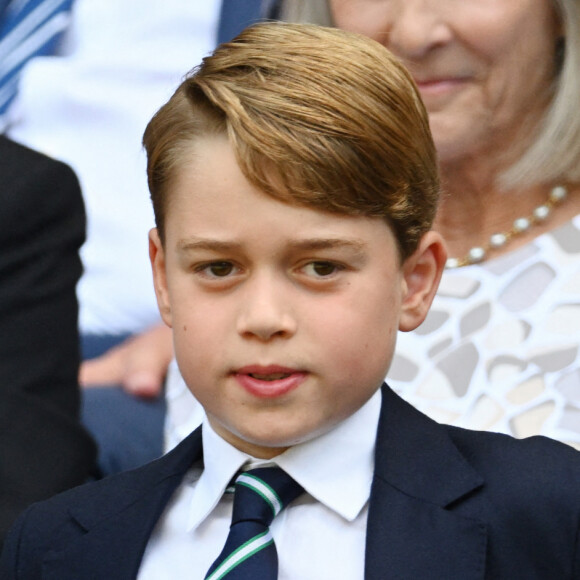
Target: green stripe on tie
244 552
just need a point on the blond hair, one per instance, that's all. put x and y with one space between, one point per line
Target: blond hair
554 152
316 117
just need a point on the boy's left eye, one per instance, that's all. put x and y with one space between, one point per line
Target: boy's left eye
321 269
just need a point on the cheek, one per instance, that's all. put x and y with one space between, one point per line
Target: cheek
187 348
197 330
519 48
360 333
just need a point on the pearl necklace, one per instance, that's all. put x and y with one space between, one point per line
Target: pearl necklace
540 214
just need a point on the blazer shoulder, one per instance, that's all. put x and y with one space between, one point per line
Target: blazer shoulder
538 456
138 495
534 473
100 499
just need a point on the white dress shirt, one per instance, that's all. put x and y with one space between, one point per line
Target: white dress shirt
320 535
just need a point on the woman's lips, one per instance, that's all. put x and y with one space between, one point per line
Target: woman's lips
439 87
269 381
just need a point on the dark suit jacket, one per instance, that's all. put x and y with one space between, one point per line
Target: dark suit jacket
43 448
445 504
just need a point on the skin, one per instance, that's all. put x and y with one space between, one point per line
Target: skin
479 64
485 69
284 317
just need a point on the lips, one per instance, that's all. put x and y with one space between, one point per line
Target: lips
269 381
270 377
440 86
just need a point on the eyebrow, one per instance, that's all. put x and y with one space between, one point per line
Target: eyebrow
356 246
310 244
206 244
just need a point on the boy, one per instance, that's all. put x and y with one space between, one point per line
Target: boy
294 183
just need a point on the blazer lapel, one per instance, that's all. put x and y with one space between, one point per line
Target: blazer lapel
138 505
414 528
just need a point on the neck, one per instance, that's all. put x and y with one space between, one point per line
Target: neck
473 208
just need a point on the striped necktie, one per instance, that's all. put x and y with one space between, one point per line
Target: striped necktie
28 28
249 552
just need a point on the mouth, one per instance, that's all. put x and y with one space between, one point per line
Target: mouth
272 377
269 381
437 87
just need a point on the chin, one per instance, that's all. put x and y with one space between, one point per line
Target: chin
275 439
455 143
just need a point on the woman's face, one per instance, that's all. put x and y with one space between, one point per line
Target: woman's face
484 67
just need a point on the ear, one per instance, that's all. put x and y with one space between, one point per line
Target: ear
157 257
421 272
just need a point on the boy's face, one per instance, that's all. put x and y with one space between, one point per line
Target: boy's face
284 317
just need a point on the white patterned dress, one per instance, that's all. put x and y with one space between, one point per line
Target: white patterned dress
500 348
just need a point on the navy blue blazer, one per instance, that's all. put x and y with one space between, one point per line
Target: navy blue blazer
446 503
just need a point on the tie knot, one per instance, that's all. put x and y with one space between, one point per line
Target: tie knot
262 493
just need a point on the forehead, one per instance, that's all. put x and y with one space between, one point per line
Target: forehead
210 199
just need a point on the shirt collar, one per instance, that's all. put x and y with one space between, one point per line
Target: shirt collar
221 462
335 468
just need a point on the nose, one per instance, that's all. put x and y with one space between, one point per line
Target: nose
266 310
416 28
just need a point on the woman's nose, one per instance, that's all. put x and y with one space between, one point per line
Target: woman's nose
416 27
